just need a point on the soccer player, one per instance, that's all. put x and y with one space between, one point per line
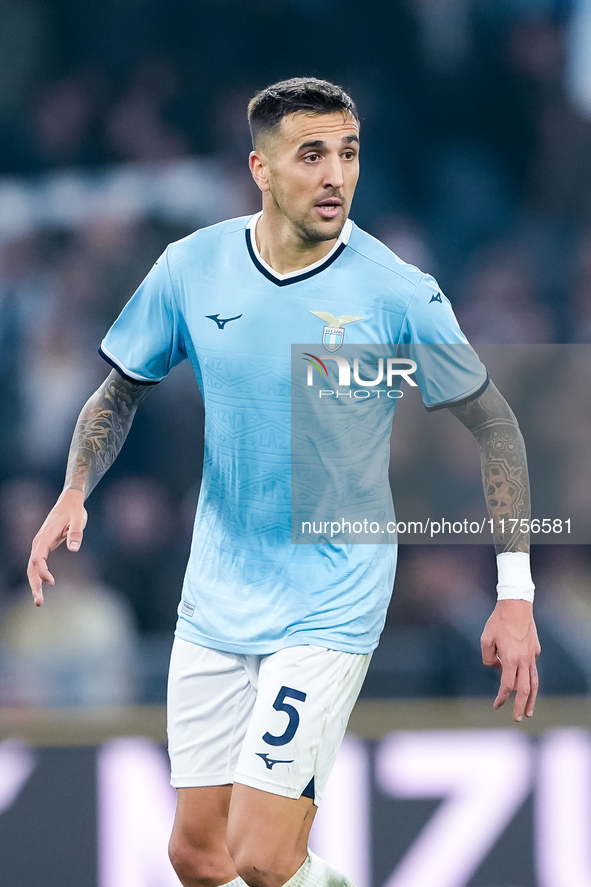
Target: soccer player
273 639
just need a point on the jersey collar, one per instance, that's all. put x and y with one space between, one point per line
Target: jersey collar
294 276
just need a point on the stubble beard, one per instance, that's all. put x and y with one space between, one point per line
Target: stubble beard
310 229
320 232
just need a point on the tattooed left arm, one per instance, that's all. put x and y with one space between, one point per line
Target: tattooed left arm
510 639
504 465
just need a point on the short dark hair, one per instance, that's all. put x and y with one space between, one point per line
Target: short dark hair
268 108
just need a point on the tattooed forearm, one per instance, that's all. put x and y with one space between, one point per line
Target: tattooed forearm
101 430
504 465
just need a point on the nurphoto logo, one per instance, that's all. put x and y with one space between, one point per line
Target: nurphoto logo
391 370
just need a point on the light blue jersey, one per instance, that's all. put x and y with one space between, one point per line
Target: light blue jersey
212 299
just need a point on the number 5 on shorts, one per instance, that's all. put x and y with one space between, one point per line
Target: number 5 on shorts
291 712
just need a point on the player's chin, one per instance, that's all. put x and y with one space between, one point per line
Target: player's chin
326 229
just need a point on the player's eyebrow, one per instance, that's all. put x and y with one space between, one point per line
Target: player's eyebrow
320 143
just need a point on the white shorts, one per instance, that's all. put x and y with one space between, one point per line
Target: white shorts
272 722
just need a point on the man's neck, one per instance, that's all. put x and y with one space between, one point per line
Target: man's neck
283 250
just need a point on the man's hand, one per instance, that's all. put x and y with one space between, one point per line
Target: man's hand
510 642
66 520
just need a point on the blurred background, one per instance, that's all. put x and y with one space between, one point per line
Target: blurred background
123 127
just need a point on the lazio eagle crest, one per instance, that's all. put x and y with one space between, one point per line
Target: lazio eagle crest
334 333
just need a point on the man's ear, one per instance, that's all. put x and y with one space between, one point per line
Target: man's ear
259 168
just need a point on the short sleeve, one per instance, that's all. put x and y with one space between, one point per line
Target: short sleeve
145 342
448 369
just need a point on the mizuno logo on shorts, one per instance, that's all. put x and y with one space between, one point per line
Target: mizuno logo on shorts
270 762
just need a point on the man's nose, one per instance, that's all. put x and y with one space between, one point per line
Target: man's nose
333 172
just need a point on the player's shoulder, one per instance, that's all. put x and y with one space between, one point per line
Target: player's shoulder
381 261
207 242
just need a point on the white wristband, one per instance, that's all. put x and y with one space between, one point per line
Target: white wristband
515 582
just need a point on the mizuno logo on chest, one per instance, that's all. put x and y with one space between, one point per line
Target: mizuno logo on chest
222 321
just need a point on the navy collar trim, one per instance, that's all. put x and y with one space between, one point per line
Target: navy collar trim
285 280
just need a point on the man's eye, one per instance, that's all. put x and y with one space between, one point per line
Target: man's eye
312 157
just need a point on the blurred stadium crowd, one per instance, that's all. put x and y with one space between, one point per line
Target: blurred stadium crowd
476 123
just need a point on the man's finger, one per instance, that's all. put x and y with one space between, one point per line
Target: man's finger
75 531
534 684
508 676
38 573
522 693
38 568
36 587
74 538
489 652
